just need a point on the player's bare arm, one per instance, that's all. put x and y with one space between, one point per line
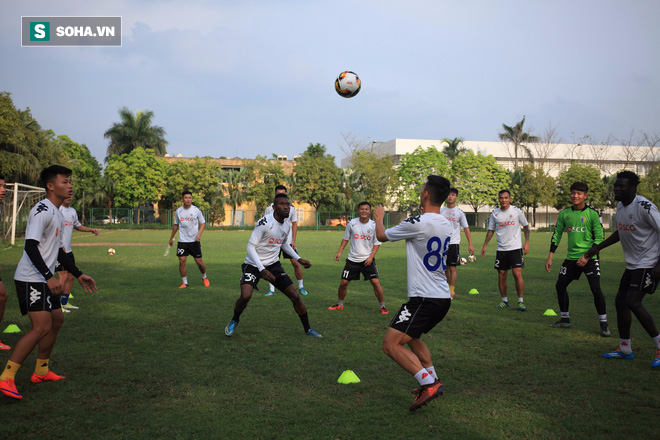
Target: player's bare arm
88 284
468 235
86 229
548 263
294 234
526 245
370 260
198 237
379 216
304 263
609 241
489 235
175 228
342 246
266 275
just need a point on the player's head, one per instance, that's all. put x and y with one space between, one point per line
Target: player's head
579 192
281 205
186 198
435 190
625 186
56 179
280 189
452 197
504 197
364 209
3 187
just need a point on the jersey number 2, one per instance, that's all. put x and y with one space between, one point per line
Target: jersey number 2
439 252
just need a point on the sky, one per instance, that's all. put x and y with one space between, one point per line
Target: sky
256 77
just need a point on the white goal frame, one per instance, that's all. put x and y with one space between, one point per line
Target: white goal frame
18 202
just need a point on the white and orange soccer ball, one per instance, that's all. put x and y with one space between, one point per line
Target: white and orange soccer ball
463 261
472 258
348 84
111 251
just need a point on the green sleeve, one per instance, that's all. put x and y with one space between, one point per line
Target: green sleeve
559 230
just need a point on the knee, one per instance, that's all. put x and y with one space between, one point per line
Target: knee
42 329
3 296
387 348
634 303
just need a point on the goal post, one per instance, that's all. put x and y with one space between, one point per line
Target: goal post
15 208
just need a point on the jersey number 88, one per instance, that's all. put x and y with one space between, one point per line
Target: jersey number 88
436 248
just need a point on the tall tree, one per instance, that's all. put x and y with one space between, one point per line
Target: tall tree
532 187
317 176
517 137
413 170
263 176
377 176
86 172
453 148
478 178
233 189
350 190
138 177
135 131
197 175
580 173
649 187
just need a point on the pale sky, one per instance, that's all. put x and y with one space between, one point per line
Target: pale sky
248 78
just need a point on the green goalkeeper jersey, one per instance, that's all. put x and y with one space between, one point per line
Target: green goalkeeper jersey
584 230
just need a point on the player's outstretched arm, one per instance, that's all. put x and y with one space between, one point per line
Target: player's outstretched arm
88 283
379 216
82 228
304 263
609 241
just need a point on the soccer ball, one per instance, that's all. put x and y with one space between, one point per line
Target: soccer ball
111 251
463 261
348 84
472 258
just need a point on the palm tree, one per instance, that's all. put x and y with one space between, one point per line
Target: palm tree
516 135
233 189
453 148
135 131
350 193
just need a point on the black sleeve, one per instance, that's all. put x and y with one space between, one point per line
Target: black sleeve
32 251
69 265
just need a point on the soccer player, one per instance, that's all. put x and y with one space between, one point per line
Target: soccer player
427 241
190 223
70 223
361 233
263 261
506 222
38 291
584 229
293 220
3 291
638 229
456 217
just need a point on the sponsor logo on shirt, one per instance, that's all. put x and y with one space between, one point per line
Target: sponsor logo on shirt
361 237
451 219
577 229
273 240
507 223
187 219
624 227
69 223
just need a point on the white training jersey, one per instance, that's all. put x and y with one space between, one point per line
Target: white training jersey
188 221
457 218
639 232
267 238
507 224
70 223
362 237
427 241
292 218
45 224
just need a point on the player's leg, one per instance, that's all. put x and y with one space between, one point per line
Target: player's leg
562 298
183 271
503 287
298 272
451 275
42 372
634 301
520 286
3 302
68 287
393 346
342 291
240 305
592 272
623 319
202 270
453 260
351 272
380 296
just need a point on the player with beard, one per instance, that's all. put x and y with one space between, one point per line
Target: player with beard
270 235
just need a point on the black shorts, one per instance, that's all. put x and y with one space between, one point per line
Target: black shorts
251 275
638 280
352 271
286 255
505 260
419 315
570 271
453 255
191 248
58 265
35 297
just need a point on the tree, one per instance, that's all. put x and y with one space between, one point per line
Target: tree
317 176
349 195
414 168
377 176
86 172
649 187
138 177
517 137
478 178
580 173
233 189
263 176
453 148
135 131
532 187
199 176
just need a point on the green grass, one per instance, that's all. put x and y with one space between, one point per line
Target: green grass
146 360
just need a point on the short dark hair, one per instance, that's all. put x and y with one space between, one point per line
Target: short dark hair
48 174
185 192
580 186
279 196
2 176
453 191
438 188
504 191
633 179
280 187
364 203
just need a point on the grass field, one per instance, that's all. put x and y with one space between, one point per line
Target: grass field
146 360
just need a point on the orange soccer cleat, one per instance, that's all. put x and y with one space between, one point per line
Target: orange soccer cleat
207 283
48 377
8 388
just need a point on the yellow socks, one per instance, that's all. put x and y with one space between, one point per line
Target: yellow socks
452 290
42 367
10 371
